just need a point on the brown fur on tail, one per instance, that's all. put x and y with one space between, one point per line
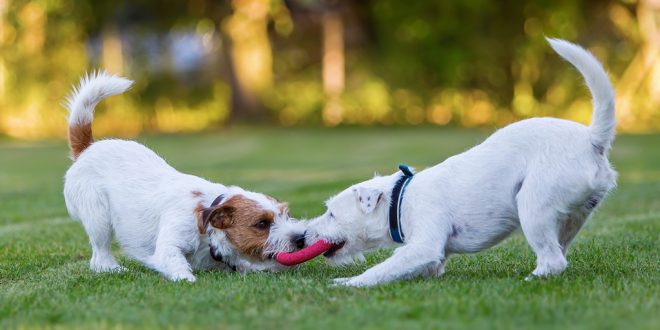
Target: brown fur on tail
80 138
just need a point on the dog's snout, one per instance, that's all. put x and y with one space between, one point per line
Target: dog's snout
298 240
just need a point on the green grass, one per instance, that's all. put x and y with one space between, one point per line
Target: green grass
612 281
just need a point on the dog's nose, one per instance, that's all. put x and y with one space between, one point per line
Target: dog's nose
298 240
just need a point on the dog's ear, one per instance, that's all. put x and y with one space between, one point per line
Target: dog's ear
284 209
367 198
218 217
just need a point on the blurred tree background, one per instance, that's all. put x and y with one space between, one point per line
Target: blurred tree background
200 64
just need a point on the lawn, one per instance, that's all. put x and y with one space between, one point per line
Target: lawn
612 282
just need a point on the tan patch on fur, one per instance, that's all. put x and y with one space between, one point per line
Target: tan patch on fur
80 138
199 213
283 206
238 217
199 216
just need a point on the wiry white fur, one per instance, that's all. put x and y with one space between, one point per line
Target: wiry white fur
93 88
123 188
543 175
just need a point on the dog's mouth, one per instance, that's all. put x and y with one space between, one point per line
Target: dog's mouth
333 250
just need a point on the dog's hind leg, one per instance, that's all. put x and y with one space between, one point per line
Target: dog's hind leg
540 230
95 218
542 215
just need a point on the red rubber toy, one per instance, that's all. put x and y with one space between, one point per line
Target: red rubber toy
306 254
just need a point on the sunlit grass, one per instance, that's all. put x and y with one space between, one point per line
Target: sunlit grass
612 281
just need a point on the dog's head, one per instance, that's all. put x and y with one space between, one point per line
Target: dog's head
355 221
247 229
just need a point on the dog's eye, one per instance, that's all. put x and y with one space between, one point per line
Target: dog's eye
263 224
331 216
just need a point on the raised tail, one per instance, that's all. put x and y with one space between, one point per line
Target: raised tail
93 88
603 122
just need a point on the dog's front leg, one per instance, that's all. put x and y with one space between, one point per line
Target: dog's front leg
408 261
168 257
171 262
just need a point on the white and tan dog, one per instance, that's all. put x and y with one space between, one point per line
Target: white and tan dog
543 175
170 221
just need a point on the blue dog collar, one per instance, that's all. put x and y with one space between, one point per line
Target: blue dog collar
395 204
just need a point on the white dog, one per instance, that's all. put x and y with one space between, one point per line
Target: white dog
544 175
170 221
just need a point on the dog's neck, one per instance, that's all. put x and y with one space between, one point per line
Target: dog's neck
380 236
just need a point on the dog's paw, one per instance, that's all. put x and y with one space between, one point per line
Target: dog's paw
119 269
533 277
187 277
108 268
340 280
356 282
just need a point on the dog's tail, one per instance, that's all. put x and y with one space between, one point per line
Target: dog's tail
603 123
93 88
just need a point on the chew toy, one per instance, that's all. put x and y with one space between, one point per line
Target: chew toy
308 253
